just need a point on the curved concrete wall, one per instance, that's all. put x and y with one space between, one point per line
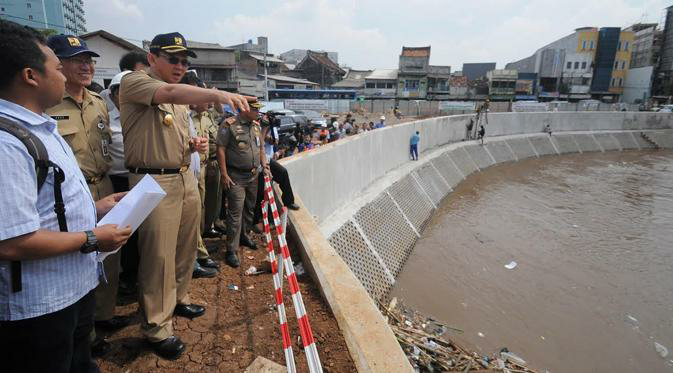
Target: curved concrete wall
365 203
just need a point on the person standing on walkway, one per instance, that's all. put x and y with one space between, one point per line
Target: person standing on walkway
482 134
155 124
83 122
413 145
240 153
48 265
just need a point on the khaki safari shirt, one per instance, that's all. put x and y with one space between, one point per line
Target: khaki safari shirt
241 140
205 127
85 127
155 136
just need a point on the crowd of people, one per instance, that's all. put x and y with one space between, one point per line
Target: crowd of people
70 154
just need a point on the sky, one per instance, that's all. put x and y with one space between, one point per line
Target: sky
369 34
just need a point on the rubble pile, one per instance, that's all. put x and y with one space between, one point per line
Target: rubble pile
422 340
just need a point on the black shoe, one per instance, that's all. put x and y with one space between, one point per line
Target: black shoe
208 263
246 241
115 323
232 259
99 347
202 272
170 348
212 233
189 310
292 206
212 246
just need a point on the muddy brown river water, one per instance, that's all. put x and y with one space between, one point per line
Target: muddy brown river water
592 238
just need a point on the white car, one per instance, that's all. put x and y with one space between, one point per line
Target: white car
666 109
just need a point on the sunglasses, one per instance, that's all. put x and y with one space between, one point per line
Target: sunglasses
174 60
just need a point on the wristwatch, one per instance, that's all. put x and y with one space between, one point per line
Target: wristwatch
91 243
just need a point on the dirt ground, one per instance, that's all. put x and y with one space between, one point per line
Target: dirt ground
238 326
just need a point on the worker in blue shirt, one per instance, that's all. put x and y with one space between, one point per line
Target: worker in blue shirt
413 146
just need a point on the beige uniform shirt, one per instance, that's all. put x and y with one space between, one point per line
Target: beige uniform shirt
85 127
205 127
155 136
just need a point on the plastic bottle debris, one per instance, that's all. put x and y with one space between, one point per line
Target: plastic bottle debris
299 269
481 334
661 349
508 356
429 351
511 265
232 287
251 271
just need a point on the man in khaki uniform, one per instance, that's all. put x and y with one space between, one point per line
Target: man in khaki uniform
205 128
240 153
84 124
155 126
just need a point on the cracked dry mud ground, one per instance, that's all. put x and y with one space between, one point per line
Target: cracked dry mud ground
237 327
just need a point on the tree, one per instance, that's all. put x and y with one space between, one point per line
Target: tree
48 32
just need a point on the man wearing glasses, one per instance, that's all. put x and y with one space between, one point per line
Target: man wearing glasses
84 124
155 126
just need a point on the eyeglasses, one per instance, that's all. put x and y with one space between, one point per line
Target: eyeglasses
174 60
82 61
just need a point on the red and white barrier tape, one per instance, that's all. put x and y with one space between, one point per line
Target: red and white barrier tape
278 287
310 348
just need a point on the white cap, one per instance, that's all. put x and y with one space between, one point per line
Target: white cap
383 117
324 125
117 79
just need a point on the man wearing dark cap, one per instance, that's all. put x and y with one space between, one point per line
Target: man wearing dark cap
83 122
240 153
155 126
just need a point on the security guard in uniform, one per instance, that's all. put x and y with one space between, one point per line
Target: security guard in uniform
155 126
240 153
83 122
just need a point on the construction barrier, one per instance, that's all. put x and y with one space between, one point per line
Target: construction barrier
310 348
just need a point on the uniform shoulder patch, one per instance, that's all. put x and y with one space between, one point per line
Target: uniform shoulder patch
229 121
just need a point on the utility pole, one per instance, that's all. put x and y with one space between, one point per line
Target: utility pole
266 79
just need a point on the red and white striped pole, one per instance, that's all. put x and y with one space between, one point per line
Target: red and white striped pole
310 348
278 287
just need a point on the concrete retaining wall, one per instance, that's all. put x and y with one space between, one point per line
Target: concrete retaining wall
365 204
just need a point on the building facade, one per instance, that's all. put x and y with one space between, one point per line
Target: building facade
588 63
295 56
111 49
381 83
663 82
502 84
416 78
474 71
62 16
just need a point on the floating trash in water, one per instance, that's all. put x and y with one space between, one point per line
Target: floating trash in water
511 265
575 226
481 334
661 349
632 319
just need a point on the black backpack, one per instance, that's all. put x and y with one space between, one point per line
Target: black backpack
39 153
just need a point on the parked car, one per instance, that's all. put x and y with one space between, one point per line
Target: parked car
288 123
316 119
666 109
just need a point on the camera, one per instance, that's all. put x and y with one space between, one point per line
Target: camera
273 120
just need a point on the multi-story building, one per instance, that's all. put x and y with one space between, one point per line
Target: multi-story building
663 82
501 84
416 78
645 53
63 16
589 62
381 83
478 70
295 56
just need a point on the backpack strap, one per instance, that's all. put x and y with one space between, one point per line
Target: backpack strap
38 152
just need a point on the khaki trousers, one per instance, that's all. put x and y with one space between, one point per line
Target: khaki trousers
240 206
201 251
167 248
106 293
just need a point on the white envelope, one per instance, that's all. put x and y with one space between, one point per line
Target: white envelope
135 207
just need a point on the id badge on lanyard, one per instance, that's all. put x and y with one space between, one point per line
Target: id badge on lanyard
104 142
